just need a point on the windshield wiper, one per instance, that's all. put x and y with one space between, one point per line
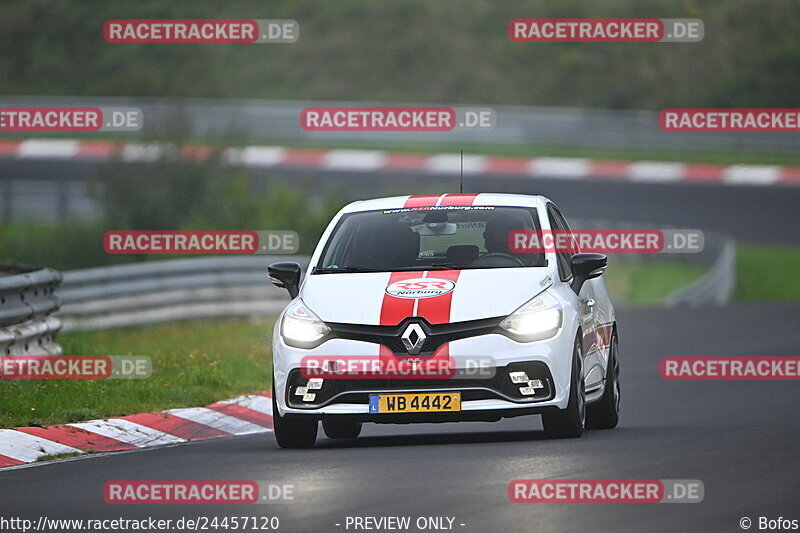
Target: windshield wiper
344 270
434 266
350 270
444 266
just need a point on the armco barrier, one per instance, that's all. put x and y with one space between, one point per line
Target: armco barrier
279 120
27 304
718 258
160 291
715 287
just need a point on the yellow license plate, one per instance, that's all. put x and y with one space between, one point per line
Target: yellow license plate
428 402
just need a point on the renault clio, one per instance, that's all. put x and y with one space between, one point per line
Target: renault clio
418 309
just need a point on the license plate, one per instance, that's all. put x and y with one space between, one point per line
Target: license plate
428 402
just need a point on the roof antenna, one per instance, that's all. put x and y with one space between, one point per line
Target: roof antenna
461 183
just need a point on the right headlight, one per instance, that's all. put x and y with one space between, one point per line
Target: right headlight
300 327
539 318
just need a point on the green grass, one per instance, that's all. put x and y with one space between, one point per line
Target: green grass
767 273
194 363
763 273
59 246
649 283
177 197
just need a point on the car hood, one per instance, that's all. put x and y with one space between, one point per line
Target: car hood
439 296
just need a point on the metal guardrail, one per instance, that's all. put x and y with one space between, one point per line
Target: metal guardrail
33 187
715 287
718 258
27 303
276 120
160 291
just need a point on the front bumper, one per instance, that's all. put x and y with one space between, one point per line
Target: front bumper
482 398
357 391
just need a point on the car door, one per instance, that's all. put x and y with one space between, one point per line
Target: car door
592 362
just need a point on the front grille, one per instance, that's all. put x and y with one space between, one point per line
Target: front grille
437 335
356 391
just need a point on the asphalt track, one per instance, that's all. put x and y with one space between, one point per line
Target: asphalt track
738 437
763 214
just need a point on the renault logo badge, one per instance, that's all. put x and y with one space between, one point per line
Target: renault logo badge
413 338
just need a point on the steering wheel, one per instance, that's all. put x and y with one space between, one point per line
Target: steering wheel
493 258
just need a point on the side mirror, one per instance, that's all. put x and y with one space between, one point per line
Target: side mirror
586 266
285 275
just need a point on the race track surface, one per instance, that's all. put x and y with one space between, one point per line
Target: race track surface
764 214
739 438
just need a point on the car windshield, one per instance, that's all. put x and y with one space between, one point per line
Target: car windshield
430 238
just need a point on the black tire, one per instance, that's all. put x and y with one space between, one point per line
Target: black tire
341 428
292 432
569 423
604 413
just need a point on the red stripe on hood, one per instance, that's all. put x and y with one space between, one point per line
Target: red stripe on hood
458 199
432 366
394 309
440 199
422 200
436 310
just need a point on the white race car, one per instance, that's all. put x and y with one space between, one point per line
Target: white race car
417 309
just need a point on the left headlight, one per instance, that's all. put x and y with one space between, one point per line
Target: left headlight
539 318
300 327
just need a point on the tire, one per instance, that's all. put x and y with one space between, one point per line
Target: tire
569 423
292 432
341 428
604 413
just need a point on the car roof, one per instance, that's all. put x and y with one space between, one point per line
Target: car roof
453 199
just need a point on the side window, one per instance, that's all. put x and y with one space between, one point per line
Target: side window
558 223
563 223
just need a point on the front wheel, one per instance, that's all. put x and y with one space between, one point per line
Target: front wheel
297 432
604 413
569 422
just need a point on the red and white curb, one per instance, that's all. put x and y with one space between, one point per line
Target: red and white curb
240 416
380 161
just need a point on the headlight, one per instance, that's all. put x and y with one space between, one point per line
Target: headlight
537 319
300 327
